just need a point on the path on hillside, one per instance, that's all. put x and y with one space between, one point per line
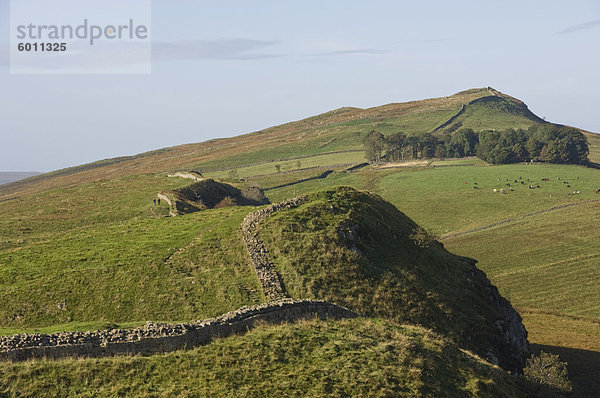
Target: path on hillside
509 220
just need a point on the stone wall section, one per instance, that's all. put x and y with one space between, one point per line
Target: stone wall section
158 338
259 255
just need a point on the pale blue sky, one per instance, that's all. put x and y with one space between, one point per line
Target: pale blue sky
230 67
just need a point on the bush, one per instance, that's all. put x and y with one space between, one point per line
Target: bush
549 372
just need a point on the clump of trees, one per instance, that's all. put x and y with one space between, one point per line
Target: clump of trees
546 142
398 146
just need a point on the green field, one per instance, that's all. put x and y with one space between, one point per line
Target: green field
329 160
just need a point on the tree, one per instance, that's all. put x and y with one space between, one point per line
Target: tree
233 174
414 143
429 145
464 142
278 168
395 145
374 146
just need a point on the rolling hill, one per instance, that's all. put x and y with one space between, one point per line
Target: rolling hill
86 248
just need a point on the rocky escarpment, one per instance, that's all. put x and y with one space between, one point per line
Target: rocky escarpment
510 347
156 338
259 255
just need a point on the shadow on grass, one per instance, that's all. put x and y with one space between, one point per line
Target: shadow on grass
583 367
594 165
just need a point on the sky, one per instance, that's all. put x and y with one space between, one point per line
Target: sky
225 68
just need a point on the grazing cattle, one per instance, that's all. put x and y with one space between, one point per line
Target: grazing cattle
495 190
538 186
522 182
511 189
531 187
475 183
568 186
520 177
508 185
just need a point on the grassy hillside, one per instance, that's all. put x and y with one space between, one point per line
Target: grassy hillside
358 357
355 249
85 247
548 266
103 253
544 263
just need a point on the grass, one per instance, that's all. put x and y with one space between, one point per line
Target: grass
359 357
442 199
482 116
292 165
594 145
102 253
548 262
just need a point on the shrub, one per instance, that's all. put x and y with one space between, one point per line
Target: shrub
548 371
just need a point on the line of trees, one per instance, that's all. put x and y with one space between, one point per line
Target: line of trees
545 142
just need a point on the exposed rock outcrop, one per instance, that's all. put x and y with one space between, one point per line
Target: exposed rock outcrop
209 194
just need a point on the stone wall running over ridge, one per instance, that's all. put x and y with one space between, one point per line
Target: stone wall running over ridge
261 260
157 338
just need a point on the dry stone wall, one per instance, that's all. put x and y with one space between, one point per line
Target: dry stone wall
157 338
259 255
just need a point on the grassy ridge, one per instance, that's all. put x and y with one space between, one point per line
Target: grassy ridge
357 250
313 358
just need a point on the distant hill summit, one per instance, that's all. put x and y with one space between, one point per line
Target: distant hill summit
356 249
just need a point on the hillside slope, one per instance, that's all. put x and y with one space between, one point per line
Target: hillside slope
355 249
340 130
359 357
